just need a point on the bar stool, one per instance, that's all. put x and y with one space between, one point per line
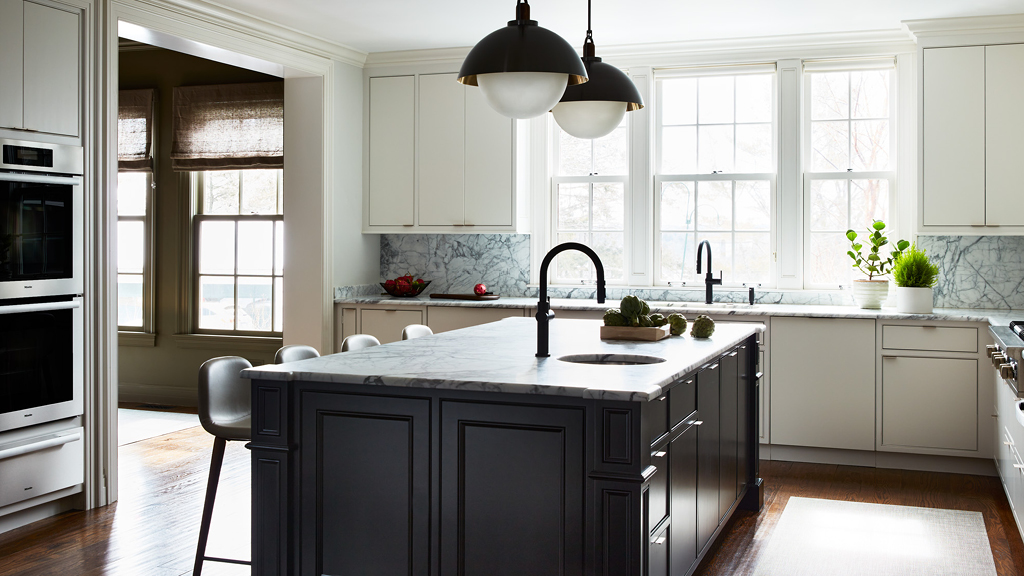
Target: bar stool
294 353
416 331
225 411
358 342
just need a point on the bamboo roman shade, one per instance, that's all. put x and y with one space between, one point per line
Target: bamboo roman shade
135 112
228 127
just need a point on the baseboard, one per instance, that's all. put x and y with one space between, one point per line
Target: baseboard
148 393
39 508
871 459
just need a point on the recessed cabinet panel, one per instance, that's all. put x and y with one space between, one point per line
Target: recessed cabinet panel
392 151
11 62
708 454
442 150
930 402
445 318
1004 121
489 198
954 137
387 325
52 56
683 454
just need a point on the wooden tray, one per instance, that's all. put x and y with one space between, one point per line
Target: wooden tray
630 333
466 296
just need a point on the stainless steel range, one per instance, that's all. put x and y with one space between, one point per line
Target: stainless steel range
1006 353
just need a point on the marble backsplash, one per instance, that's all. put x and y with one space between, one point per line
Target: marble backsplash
975 271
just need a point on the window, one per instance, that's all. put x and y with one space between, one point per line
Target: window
239 245
850 172
133 262
715 176
589 193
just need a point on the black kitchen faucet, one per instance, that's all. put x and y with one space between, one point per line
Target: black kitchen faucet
544 313
709 280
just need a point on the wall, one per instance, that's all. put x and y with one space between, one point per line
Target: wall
168 372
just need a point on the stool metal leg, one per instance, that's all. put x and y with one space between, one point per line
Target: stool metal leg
211 495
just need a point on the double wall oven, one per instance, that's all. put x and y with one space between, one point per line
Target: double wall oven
41 284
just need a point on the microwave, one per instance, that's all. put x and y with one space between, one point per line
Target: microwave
41 219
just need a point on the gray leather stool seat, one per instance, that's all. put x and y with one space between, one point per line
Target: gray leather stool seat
416 331
358 342
294 353
225 410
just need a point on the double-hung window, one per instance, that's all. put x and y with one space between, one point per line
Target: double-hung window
239 242
135 120
849 175
590 189
715 174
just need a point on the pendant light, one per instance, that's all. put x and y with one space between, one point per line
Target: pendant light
523 69
594 109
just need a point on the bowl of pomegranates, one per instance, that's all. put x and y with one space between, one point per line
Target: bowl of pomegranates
405 286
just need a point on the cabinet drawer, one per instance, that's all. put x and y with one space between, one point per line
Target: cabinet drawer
42 465
939 339
444 318
930 403
682 399
657 559
655 419
387 325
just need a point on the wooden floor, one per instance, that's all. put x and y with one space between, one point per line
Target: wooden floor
738 547
152 530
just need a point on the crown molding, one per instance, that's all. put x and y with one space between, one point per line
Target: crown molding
967 31
717 51
219 15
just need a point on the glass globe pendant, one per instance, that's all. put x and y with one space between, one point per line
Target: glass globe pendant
523 69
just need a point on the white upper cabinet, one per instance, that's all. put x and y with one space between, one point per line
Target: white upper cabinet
971 126
392 150
448 163
40 67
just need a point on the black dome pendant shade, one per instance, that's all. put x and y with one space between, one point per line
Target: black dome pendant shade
607 83
522 46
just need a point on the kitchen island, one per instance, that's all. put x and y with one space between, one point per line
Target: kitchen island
463 453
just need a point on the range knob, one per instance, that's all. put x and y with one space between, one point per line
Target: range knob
991 350
1006 371
998 358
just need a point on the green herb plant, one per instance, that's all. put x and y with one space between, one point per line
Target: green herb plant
913 269
873 264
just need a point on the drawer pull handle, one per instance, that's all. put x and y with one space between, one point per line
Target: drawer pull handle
1010 443
713 367
18 449
1019 466
659 453
658 540
694 422
663 398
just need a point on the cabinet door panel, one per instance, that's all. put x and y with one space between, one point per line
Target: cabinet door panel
444 318
392 151
820 396
954 137
512 499
729 426
744 434
52 55
930 402
683 457
387 325
11 62
442 150
1004 121
489 163
366 468
709 453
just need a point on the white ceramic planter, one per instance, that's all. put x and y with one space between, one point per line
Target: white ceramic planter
870 293
914 300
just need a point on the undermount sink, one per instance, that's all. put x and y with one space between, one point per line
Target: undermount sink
612 359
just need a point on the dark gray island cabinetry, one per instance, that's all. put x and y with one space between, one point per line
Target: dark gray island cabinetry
463 454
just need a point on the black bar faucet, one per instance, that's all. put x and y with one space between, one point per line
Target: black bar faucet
709 280
544 313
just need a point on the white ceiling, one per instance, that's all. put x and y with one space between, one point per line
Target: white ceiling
385 25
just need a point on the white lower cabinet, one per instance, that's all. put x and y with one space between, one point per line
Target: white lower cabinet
823 383
445 318
930 402
387 325
1009 446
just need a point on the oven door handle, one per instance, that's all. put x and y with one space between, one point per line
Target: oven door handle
40 307
40 179
19 449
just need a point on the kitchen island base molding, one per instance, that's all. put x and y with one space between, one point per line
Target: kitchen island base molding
378 480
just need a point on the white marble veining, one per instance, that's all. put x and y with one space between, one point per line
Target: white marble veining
499 357
357 290
977 271
454 263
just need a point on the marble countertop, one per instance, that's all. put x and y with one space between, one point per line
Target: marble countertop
499 357
689 309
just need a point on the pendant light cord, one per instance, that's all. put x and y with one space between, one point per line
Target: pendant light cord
588 44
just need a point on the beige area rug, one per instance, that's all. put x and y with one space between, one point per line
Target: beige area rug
835 538
136 425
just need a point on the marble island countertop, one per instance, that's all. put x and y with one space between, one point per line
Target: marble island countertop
690 309
499 357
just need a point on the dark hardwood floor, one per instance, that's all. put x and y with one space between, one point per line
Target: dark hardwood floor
746 535
152 530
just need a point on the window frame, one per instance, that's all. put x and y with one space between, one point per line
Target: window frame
197 188
808 176
148 255
661 178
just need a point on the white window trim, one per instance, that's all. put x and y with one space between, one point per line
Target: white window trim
892 226
149 256
624 180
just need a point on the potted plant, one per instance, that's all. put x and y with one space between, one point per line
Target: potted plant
871 292
915 276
